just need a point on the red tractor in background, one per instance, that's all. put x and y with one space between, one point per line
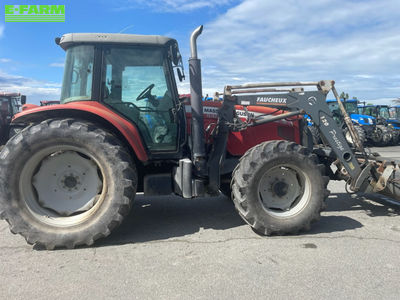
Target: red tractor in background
49 102
10 104
70 176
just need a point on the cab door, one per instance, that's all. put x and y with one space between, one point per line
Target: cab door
136 83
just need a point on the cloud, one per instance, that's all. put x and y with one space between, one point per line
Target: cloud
383 101
57 65
355 43
34 89
173 6
5 60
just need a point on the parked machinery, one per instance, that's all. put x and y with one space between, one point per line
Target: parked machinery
394 120
394 112
364 125
49 102
10 104
390 134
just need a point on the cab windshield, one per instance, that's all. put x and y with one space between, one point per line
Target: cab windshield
78 74
9 105
384 112
397 113
351 107
368 110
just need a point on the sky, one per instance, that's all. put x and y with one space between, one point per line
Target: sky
355 43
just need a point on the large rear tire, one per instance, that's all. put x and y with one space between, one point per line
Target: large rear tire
395 137
279 188
65 183
386 135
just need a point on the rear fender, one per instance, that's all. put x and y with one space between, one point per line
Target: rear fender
91 111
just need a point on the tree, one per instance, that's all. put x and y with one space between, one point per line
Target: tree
344 96
396 101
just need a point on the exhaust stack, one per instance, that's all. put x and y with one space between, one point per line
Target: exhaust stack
197 126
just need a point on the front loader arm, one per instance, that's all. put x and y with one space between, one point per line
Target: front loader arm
312 103
364 173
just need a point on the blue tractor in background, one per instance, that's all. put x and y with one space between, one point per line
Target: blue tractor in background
394 116
364 125
387 128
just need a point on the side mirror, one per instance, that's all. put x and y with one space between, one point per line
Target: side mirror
180 75
175 55
23 99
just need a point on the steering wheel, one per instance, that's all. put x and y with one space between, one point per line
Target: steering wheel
146 93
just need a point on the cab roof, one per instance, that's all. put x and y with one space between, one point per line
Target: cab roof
70 39
4 94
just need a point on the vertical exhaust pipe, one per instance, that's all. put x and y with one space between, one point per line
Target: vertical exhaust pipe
196 101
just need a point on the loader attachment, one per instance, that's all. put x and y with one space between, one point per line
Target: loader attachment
361 171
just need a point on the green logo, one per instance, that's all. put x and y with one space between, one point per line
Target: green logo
35 13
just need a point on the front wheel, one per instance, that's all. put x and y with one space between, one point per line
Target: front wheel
279 188
65 183
385 134
315 135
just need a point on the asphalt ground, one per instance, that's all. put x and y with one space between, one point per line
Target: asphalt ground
170 248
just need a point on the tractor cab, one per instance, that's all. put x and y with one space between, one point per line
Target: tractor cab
352 109
10 104
130 74
380 112
395 112
394 117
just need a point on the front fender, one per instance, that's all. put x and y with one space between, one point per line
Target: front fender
92 111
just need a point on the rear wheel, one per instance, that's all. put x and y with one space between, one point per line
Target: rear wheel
395 137
65 183
279 188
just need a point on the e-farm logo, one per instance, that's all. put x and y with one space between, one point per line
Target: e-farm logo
35 13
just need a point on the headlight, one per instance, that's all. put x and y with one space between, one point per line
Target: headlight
370 121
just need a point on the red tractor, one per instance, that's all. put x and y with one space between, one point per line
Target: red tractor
70 176
10 104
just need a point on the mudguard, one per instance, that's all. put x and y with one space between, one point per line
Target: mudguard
87 110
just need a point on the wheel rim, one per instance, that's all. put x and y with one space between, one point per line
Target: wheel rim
377 135
62 185
387 137
349 138
284 190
